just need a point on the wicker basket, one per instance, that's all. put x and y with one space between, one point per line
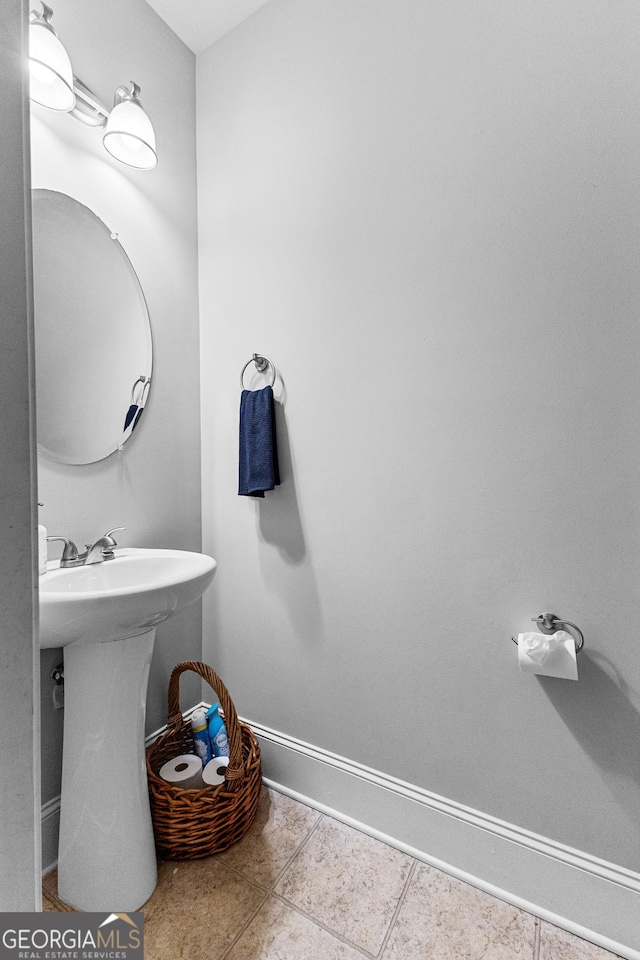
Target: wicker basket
189 824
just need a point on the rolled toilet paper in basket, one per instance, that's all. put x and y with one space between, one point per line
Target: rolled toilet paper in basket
184 771
548 655
213 773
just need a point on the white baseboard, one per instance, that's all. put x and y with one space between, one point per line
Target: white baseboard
592 898
585 895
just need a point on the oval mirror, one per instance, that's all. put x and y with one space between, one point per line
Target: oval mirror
92 332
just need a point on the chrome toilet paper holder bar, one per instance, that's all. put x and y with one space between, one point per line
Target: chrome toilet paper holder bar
548 623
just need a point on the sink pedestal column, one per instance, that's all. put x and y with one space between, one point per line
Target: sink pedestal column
107 859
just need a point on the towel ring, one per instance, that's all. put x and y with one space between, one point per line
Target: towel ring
261 365
145 382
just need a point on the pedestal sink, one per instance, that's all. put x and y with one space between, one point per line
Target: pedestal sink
105 615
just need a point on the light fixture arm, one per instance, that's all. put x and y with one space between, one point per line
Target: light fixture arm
89 109
46 14
123 94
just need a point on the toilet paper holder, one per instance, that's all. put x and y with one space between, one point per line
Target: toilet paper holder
548 623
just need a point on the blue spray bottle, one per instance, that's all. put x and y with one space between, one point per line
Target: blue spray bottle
217 732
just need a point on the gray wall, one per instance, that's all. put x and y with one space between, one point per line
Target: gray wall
427 215
153 486
19 744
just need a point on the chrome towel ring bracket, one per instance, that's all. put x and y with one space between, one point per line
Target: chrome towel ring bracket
262 364
549 623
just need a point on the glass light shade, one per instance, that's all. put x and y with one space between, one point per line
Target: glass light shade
129 135
51 76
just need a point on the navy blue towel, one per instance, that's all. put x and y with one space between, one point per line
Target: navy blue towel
131 412
258 459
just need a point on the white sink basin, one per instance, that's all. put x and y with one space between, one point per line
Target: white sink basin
119 598
105 616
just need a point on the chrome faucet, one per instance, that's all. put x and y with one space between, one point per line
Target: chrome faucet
96 552
69 556
102 549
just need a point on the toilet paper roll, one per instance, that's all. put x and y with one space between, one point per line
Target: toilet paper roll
183 771
548 655
214 771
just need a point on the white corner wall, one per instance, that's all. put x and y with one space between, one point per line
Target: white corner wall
426 215
153 486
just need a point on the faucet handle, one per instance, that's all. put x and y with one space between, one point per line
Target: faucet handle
108 536
107 543
70 551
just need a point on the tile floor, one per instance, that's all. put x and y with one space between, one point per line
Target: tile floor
301 886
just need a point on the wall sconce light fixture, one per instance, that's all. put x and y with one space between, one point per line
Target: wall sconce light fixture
51 82
128 135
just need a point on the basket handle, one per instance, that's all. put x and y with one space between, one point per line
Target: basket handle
235 770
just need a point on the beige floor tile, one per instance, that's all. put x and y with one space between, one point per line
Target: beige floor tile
280 827
280 932
444 919
348 881
557 944
196 910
